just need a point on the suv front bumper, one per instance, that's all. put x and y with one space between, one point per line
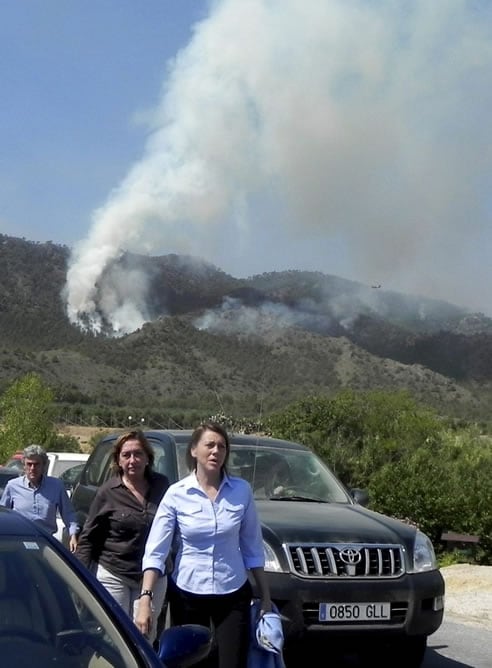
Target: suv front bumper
417 603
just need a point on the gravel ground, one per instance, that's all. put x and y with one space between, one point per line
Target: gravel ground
468 593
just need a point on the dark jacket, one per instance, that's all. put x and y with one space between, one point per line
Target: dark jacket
117 526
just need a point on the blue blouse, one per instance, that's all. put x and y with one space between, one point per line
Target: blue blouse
218 541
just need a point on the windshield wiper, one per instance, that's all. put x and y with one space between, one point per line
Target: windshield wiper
296 498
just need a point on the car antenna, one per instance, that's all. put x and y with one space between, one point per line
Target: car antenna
261 398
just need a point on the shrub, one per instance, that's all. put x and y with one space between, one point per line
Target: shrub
413 465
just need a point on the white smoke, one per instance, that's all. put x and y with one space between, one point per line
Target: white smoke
328 314
234 317
356 123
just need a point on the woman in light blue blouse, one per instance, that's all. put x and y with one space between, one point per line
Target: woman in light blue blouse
219 537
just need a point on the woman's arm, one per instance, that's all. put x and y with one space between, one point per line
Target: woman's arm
251 545
94 532
263 589
157 548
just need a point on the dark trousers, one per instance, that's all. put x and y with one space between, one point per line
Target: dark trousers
228 615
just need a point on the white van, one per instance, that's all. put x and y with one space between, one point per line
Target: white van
58 463
61 461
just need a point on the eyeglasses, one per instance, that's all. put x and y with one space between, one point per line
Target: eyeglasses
32 464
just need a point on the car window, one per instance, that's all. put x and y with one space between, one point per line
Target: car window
181 453
99 465
48 612
71 475
5 476
15 463
62 465
164 457
285 473
279 473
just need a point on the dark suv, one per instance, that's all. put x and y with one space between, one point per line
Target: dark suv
337 571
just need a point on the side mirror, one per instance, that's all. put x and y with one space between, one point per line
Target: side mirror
183 646
360 496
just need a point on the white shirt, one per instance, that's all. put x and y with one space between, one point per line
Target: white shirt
218 540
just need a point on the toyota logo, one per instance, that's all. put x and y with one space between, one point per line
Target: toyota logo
350 556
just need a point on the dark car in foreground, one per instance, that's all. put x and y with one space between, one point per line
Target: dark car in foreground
338 572
53 612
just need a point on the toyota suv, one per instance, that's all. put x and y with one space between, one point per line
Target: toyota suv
338 572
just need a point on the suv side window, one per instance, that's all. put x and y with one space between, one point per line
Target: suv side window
181 454
97 469
164 457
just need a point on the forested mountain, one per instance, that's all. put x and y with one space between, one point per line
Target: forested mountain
215 342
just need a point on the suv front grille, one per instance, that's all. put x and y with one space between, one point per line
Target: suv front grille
354 560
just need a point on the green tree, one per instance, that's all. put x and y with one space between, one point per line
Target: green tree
356 433
27 416
414 466
446 489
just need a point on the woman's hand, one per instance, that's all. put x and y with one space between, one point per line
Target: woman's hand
143 618
265 605
144 612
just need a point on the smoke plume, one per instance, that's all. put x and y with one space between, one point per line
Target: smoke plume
358 127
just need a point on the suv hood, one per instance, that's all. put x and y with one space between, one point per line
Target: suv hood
307 522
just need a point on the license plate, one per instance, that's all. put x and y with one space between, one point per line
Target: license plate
354 612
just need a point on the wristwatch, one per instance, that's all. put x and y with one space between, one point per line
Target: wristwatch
147 592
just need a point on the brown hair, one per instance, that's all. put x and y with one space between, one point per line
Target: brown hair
196 436
136 435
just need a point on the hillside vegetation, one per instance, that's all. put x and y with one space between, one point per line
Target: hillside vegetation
240 346
415 465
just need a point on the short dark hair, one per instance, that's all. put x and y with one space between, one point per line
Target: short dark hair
136 435
196 436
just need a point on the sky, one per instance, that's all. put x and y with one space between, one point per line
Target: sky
350 137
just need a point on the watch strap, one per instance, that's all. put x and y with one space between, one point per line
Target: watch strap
146 592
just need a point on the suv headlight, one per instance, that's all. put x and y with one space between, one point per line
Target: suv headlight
272 563
424 557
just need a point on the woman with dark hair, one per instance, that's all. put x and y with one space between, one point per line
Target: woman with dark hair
214 518
113 538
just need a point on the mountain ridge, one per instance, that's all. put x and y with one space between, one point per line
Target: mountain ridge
248 345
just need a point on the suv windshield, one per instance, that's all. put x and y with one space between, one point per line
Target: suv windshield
276 473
